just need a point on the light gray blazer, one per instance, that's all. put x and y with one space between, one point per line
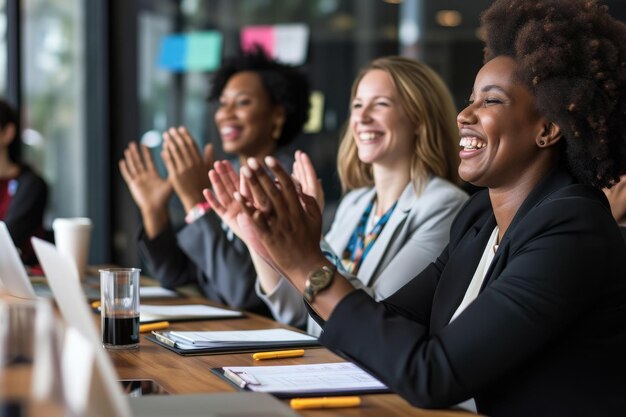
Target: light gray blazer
415 234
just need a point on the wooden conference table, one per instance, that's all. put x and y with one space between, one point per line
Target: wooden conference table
190 374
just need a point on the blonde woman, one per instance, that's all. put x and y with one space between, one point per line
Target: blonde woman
398 164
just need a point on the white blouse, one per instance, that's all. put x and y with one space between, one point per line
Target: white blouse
479 275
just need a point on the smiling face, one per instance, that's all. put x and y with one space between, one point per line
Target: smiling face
381 129
499 129
246 116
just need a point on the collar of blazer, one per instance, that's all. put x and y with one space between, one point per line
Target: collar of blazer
383 242
468 243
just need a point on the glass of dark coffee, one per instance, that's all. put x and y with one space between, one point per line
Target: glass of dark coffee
119 307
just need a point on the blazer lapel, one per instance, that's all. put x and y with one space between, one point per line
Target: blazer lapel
385 240
459 271
555 180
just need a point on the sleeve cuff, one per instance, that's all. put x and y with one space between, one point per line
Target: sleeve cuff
197 211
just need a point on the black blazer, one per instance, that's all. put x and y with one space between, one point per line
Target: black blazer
547 333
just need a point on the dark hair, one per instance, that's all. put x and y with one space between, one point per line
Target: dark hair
571 54
8 115
285 85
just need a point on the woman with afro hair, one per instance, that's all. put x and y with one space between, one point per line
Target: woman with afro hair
525 310
262 107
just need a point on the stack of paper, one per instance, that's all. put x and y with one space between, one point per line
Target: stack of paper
157 292
304 380
152 313
226 341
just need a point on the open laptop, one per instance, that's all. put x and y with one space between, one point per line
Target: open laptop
14 277
105 394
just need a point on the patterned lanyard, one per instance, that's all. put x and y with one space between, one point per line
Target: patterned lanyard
361 243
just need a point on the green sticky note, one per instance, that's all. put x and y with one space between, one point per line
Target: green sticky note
204 51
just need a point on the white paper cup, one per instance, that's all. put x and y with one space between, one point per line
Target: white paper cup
72 237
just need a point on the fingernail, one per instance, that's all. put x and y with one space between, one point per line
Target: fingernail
252 163
270 161
237 196
246 172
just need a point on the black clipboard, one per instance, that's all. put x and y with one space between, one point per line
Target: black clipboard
302 394
226 348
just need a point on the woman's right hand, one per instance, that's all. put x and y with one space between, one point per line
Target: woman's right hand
148 189
150 192
304 173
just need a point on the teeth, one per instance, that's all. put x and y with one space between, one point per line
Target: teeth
367 136
470 143
227 130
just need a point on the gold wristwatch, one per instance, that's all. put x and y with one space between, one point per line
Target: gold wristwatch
317 281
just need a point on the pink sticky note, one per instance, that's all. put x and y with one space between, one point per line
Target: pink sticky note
258 35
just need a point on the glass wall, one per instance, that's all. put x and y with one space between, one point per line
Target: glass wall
52 95
138 98
3 47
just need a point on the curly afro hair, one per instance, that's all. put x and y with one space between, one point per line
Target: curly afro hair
572 55
285 85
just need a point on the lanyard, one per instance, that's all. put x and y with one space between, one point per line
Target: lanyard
361 243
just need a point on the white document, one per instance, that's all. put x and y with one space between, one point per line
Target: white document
324 378
150 313
239 337
12 272
157 292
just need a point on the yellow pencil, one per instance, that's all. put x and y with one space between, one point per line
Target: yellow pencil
325 402
295 353
145 328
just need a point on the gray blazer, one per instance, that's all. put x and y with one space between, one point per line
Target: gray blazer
416 233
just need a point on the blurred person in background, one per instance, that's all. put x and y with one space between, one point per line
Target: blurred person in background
23 193
262 107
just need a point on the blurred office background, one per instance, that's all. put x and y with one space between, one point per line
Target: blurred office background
90 76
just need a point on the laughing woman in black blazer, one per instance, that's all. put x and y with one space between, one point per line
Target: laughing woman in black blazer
525 310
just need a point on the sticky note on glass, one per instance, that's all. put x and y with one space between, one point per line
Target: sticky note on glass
173 52
285 43
204 51
316 114
195 51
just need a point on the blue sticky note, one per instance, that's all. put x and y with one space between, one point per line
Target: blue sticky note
204 51
173 52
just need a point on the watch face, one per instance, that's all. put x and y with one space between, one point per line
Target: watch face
320 278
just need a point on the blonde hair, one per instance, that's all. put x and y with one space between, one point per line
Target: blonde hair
427 102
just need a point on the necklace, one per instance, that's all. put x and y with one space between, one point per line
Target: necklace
497 244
